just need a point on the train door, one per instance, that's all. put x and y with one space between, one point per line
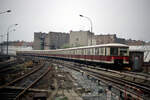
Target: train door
136 63
84 54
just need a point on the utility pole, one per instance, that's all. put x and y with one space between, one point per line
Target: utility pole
8 35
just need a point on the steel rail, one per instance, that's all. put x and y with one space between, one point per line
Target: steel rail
12 82
122 82
22 92
145 88
119 87
139 85
104 80
118 81
141 76
127 73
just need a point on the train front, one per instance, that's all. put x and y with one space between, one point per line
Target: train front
120 56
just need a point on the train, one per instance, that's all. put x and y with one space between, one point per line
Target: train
114 54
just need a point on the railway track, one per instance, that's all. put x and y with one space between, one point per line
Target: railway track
135 75
27 81
8 64
119 83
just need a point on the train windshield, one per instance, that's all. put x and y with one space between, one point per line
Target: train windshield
123 51
114 51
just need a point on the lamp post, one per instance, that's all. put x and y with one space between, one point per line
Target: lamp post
89 20
1 43
90 24
8 11
8 34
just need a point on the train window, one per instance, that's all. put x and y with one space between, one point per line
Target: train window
79 52
99 51
114 51
105 51
93 51
68 51
88 51
96 51
102 51
74 52
64 52
123 51
71 52
85 51
82 52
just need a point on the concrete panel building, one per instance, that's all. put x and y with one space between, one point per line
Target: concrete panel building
39 41
104 39
109 38
57 40
52 40
80 38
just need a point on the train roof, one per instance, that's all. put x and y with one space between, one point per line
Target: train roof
102 45
84 47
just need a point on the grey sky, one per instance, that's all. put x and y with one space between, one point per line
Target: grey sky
126 18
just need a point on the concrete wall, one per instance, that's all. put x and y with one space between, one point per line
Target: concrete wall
52 40
80 38
57 39
46 44
109 38
104 39
39 41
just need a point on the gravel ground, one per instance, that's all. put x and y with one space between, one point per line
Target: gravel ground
92 90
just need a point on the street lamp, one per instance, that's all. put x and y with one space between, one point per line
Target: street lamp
89 20
90 23
1 43
8 11
8 34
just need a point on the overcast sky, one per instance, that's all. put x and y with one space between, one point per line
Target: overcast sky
126 18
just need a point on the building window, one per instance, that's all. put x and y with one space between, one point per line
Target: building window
77 39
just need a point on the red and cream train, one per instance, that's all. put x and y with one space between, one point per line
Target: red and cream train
106 54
